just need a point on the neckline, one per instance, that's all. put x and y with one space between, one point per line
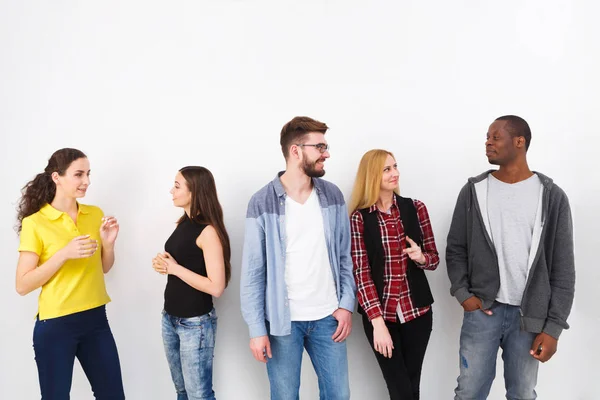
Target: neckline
312 193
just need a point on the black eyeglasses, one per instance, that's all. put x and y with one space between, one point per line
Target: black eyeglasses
322 147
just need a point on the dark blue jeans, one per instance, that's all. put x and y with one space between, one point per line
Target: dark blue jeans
87 336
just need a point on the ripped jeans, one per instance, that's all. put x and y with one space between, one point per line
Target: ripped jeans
480 338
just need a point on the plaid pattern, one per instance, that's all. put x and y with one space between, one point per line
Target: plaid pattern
396 292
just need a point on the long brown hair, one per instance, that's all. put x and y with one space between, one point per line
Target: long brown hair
42 189
206 209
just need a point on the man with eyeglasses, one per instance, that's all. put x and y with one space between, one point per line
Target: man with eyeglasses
297 288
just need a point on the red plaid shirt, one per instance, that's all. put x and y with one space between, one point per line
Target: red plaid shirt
396 290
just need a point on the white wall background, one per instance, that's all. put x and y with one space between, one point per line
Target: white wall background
146 87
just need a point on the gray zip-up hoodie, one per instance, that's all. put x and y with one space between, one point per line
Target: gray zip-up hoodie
473 264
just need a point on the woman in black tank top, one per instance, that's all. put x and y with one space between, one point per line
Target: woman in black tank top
197 264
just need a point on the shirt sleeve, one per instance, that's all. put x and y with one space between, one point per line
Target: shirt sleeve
432 258
347 282
30 241
457 259
367 293
253 280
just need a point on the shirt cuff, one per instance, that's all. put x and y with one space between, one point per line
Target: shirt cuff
462 294
257 329
374 312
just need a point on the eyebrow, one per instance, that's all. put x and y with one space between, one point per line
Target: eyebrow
80 170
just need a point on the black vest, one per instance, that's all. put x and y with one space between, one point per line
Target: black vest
420 292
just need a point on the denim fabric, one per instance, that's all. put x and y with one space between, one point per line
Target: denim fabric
189 347
263 292
328 358
87 336
480 338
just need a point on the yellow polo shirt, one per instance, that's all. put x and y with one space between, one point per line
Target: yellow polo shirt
79 284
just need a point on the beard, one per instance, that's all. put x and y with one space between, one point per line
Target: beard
310 168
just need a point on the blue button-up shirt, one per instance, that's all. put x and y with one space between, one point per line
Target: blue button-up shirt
263 291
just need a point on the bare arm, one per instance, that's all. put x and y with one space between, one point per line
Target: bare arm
30 278
109 231
214 282
108 257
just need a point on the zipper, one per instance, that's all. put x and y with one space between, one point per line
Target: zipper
545 201
485 232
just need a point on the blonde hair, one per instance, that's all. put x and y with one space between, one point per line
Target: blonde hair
367 184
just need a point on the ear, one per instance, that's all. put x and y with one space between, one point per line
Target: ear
295 152
55 177
520 141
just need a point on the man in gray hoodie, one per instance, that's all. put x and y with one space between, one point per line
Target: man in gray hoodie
511 267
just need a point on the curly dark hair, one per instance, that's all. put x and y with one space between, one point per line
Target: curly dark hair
42 189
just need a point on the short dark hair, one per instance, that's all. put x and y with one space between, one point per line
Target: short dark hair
517 126
294 131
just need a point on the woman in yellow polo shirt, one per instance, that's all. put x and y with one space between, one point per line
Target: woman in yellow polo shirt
66 248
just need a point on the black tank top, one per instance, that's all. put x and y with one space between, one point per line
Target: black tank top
182 300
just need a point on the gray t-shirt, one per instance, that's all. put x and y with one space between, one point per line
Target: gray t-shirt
512 210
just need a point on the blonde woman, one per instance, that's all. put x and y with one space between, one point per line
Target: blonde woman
392 246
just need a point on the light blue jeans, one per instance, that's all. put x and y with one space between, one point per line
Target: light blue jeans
328 358
189 346
480 338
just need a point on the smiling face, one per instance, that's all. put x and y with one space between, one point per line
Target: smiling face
313 161
391 175
75 181
181 195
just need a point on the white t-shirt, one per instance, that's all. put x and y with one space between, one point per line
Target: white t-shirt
308 276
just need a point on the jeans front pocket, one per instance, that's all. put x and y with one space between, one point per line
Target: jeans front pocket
192 322
197 332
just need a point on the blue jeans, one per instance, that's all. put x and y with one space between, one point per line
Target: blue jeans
480 338
189 346
328 358
87 336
